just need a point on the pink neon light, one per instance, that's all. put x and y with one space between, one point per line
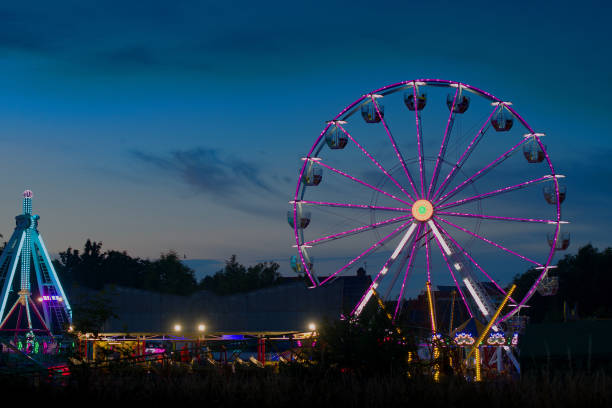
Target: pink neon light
493 193
362 182
355 230
427 255
471 259
481 172
412 253
493 217
367 251
376 163
463 157
399 155
489 241
454 279
419 143
363 206
442 152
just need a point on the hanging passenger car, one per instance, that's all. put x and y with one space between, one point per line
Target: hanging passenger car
370 114
533 152
550 195
461 104
421 101
563 241
313 174
502 120
303 217
336 138
548 286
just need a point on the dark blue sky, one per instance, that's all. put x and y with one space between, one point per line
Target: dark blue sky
179 125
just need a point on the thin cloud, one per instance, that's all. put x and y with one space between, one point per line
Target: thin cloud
208 171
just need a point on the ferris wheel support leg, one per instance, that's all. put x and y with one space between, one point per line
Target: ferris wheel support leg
447 235
513 359
500 362
368 295
444 249
408 268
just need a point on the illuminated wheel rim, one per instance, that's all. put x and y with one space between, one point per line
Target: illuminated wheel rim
426 185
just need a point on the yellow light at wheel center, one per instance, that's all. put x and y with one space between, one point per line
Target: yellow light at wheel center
422 210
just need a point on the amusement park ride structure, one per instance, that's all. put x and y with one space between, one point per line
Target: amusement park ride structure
406 206
24 249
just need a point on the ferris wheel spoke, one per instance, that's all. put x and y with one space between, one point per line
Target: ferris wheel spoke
397 152
442 152
355 206
494 192
450 238
406 274
354 231
466 154
385 172
493 217
370 292
376 245
488 241
320 162
481 172
419 143
440 242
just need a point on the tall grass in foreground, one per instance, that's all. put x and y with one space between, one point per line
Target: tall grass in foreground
311 388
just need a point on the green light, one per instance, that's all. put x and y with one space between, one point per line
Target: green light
422 209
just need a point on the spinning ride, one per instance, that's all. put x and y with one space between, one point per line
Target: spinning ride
429 182
25 249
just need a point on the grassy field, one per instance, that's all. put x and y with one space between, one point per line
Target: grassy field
298 387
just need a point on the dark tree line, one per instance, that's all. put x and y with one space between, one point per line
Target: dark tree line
585 281
95 268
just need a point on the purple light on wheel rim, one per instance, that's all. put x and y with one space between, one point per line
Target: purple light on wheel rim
367 251
362 182
376 163
358 229
489 241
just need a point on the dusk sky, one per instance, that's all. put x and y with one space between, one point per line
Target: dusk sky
180 125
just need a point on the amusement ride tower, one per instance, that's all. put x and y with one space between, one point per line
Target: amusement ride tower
24 249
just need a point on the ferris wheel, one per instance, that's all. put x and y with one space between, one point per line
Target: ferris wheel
429 182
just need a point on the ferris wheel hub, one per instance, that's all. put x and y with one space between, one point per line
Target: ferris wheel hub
422 210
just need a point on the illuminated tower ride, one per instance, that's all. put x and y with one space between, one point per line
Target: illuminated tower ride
26 248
